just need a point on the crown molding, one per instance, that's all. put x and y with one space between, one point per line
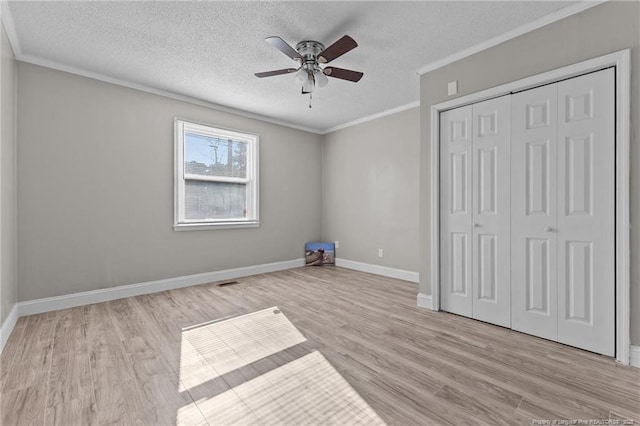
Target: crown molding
160 92
171 95
5 15
516 32
371 117
7 20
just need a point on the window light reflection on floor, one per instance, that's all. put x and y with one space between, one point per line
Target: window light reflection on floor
306 391
214 349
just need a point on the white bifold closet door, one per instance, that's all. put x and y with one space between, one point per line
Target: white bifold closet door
474 240
534 237
563 206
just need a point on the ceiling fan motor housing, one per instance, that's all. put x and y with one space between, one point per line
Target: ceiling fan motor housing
309 51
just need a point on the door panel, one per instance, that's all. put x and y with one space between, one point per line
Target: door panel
488 267
459 271
459 164
455 211
491 242
579 176
538 278
586 227
488 174
537 177
579 281
534 212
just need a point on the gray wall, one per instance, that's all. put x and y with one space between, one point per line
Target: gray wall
95 189
603 29
8 248
370 190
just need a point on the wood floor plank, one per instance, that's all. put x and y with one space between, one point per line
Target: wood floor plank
23 406
32 358
530 410
9 353
69 378
566 403
475 406
75 412
151 360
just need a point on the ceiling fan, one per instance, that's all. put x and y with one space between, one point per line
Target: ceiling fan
310 54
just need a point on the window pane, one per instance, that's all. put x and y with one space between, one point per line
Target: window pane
215 200
212 156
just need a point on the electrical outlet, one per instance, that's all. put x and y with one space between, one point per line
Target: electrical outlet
380 253
337 243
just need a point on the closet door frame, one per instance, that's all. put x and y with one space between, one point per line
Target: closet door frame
621 61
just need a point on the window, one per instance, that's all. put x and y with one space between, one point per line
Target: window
216 177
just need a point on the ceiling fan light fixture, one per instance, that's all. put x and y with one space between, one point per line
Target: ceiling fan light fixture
309 85
302 76
321 79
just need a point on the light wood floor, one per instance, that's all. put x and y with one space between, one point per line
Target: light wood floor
125 361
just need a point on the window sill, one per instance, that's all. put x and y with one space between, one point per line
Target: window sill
208 226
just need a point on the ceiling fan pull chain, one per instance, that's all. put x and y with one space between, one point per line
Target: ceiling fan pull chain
310 98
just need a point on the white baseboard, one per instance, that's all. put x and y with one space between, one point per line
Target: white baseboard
400 274
634 356
425 301
8 325
103 295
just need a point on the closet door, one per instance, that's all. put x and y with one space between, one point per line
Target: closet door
586 227
491 215
455 211
534 212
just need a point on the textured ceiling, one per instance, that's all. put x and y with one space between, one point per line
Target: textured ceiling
209 50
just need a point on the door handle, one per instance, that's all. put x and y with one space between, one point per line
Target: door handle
476 225
548 229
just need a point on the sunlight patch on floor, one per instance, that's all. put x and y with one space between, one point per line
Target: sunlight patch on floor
216 370
305 391
212 350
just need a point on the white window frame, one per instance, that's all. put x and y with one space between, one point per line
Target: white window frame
180 223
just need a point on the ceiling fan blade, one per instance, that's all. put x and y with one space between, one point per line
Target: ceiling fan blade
275 72
354 76
337 49
284 47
